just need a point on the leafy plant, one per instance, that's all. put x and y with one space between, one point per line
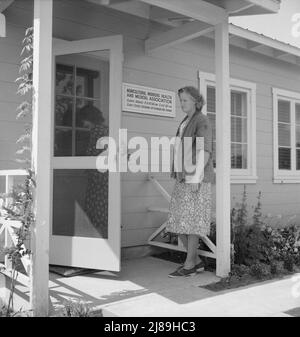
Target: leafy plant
276 267
240 270
25 88
77 309
260 270
260 242
20 209
288 263
257 216
20 205
239 229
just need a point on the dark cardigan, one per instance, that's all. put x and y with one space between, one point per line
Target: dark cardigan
198 126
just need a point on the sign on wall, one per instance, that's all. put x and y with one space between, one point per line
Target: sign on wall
146 100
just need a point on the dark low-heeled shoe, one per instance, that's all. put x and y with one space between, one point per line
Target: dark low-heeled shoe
183 272
200 267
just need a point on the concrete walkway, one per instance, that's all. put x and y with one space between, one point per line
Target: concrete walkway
143 289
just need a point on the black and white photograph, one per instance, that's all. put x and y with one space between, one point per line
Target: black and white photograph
149 161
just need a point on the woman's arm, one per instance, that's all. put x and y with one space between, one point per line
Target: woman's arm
198 176
204 130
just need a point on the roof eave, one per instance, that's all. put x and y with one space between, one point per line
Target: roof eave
261 7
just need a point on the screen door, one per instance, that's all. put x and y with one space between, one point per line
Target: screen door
86 107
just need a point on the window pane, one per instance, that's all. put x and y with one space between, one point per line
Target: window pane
2 184
92 70
87 83
63 142
64 79
212 119
214 154
284 111
239 132
284 135
88 112
80 203
238 156
80 122
297 135
298 114
238 129
298 159
238 103
63 111
284 159
91 125
211 99
82 142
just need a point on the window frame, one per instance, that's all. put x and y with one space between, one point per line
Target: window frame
285 176
88 74
239 176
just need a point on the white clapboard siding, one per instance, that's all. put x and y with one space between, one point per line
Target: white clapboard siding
135 204
8 112
10 131
136 237
8 72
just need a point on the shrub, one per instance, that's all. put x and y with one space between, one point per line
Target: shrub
76 309
288 262
240 270
276 267
255 240
260 270
258 241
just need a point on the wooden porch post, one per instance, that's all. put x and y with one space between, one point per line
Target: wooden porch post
2 25
41 154
223 150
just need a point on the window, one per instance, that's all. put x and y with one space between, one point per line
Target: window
243 125
286 109
76 89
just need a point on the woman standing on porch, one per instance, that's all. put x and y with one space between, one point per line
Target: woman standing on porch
190 206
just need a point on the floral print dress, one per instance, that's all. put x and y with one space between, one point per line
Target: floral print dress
96 197
189 211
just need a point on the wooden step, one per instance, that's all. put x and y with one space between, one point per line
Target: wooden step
158 209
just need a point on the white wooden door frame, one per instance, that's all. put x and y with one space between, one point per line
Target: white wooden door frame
111 247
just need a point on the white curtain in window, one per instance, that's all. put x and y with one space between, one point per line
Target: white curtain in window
239 135
284 135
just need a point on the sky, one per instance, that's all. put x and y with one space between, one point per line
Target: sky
279 26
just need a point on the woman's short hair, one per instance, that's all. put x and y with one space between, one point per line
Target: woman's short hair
92 114
195 93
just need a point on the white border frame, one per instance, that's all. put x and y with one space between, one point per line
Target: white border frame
284 176
239 176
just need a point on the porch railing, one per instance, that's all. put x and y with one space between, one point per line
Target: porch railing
179 246
8 229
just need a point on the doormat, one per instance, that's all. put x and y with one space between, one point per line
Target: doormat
70 271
